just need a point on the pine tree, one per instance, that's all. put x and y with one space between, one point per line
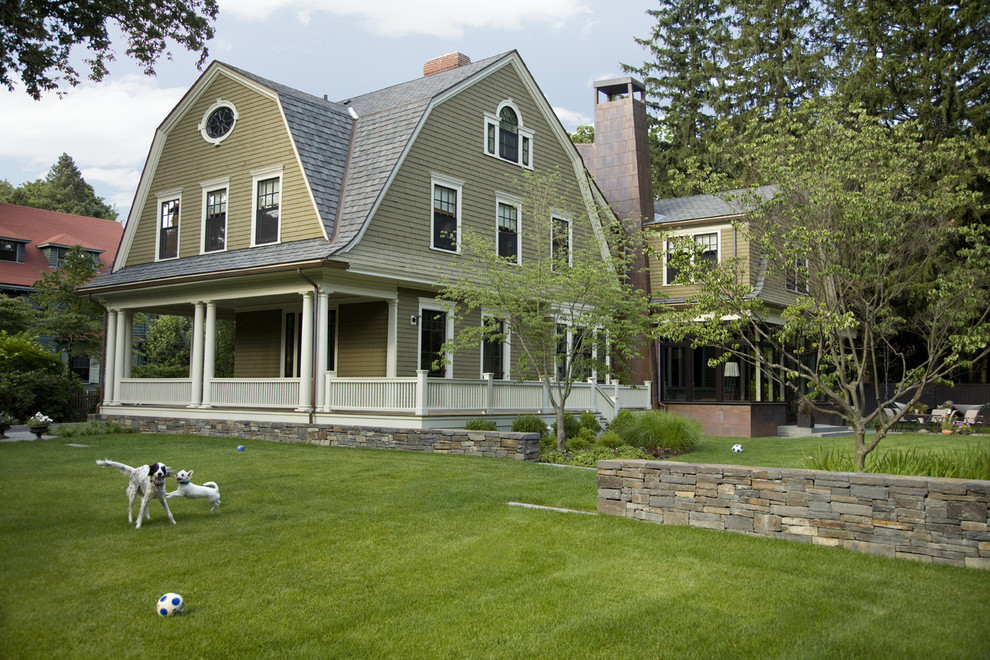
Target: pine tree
64 190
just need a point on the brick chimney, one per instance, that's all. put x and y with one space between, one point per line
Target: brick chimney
445 63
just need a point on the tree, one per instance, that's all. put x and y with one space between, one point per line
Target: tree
37 36
16 314
865 221
583 135
63 189
561 317
924 61
32 380
73 321
167 348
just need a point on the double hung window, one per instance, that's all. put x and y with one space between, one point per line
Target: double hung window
168 229
703 246
432 335
560 242
493 353
214 219
267 203
796 276
508 231
445 221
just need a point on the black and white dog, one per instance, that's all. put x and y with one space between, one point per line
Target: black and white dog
187 488
149 482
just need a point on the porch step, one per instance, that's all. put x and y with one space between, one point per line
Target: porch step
820 431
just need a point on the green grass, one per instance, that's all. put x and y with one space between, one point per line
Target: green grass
792 452
331 552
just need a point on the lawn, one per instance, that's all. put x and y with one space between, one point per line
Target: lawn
791 452
331 552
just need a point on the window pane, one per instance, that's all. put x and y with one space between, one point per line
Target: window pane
444 218
268 202
674 374
8 251
491 138
508 231
508 139
704 375
168 240
708 245
216 219
525 151
491 355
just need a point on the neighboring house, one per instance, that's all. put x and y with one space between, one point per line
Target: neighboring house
33 242
322 228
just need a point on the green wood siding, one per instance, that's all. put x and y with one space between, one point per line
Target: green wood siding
451 144
362 336
259 140
257 344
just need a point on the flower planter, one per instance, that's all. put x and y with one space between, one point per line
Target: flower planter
38 430
3 429
946 431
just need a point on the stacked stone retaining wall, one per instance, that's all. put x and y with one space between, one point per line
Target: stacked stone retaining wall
495 444
931 520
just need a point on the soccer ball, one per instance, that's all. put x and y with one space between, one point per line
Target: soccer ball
737 448
170 604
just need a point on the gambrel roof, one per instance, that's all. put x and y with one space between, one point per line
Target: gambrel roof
348 151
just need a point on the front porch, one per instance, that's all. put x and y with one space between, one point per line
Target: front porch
418 402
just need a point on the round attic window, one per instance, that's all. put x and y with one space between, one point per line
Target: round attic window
218 122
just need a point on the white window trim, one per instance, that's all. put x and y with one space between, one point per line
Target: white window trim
458 185
506 347
570 236
161 198
208 187
201 127
692 233
800 280
511 200
256 177
493 120
431 304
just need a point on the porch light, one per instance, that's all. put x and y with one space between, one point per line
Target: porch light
732 370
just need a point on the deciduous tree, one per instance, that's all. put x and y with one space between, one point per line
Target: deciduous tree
865 220
554 293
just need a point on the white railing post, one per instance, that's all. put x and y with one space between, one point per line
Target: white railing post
490 382
421 394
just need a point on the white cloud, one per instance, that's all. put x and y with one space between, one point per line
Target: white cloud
571 120
439 18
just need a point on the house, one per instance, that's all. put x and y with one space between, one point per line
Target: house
33 242
321 228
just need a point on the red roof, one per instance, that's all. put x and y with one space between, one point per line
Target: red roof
40 227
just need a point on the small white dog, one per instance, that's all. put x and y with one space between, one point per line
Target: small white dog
210 490
148 481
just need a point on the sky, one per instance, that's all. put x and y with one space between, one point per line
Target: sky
340 48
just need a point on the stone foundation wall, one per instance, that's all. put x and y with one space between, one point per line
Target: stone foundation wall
494 444
931 520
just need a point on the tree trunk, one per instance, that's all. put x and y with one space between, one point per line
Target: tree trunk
861 449
561 434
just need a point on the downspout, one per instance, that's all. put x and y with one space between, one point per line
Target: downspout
312 348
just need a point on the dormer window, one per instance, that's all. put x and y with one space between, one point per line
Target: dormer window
11 250
506 137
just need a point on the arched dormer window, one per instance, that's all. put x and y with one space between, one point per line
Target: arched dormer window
506 137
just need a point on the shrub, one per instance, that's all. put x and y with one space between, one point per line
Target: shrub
585 439
656 429
589 420
480 425
553 456
529 424
91 428
590 457
571 426
610 439
548 443
623 419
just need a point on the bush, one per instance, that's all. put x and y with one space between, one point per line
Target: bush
480 425
589 420
656 429
585 439
91 428
160 371
623 420
529 424
610 439
571 426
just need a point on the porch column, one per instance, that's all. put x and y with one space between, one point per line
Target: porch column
422 396
392 342
196 359
118 353
322 319
209 352
306 355
128 341
109 385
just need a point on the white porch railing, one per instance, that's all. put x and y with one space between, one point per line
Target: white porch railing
418 396
255 392
155 391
